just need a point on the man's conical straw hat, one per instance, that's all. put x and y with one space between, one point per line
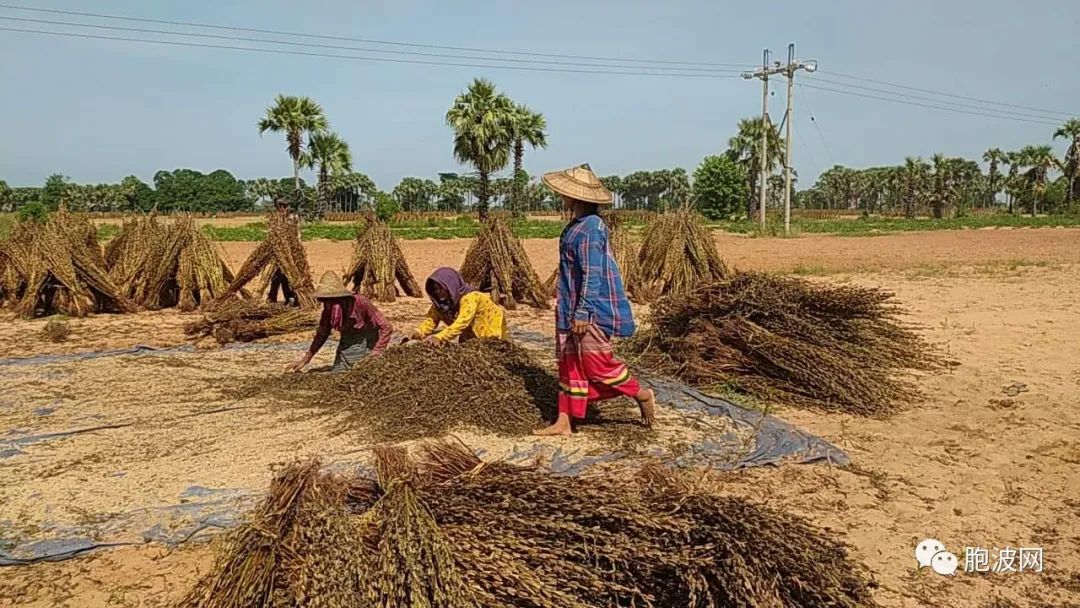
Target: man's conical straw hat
579 183
330 286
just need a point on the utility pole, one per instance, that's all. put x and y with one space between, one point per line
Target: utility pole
791 68
763 177
789 71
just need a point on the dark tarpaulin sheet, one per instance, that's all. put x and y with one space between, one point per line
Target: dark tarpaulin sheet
200 511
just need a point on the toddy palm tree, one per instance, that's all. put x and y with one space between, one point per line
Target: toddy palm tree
1071 164
994 156
1040 160
329 154
295 117
526 127
1012 182
916 177
481 119
745 148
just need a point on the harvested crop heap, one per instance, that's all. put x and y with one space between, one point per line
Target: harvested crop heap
677 256
57 267
418 390
830 347
245 321
378 262
497 262
281 252
163 266
450 531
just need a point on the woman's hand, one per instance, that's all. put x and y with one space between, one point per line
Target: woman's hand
432 341
580 327
299 364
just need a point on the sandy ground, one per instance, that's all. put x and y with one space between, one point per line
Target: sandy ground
990 457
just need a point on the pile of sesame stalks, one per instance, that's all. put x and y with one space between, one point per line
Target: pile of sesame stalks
442 529
677 256
281 252
496 262
418 390
161 266
787 340
57 267
238 320
378 262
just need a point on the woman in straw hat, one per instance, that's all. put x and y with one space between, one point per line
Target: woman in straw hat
466 312
591 307
364 330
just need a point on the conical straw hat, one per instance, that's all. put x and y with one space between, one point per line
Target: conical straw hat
331 286
579 183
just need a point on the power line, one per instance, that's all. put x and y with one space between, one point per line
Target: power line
821 136
369 40
674 70
1031 120
953 95
356 57
809 153
931 99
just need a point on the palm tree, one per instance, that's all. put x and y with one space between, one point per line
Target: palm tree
1012 182
330 154
1041 160
526 127
294 116
1071 166
481 119
745 149
915 175
994 156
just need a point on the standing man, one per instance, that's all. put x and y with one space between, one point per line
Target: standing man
591 307
278 280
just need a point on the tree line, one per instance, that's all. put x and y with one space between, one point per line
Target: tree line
490 132
1015 181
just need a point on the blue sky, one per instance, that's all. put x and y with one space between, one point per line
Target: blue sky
100 110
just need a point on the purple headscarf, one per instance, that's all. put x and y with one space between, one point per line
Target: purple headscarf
452 281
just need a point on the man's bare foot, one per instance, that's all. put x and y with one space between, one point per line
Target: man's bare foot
560 428
647 403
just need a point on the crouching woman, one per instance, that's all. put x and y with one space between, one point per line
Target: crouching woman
363 328
465 312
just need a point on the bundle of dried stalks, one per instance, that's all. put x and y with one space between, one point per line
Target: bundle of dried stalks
450 531
16 257
419 390
245 321
281 252
378 262
496 262
789 340
677 255
58 267
131 253
163 266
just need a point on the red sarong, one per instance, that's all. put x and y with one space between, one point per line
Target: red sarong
589 371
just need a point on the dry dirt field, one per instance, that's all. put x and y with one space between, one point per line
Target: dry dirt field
989 457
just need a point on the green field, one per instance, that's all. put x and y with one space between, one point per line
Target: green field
872 226
466 227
